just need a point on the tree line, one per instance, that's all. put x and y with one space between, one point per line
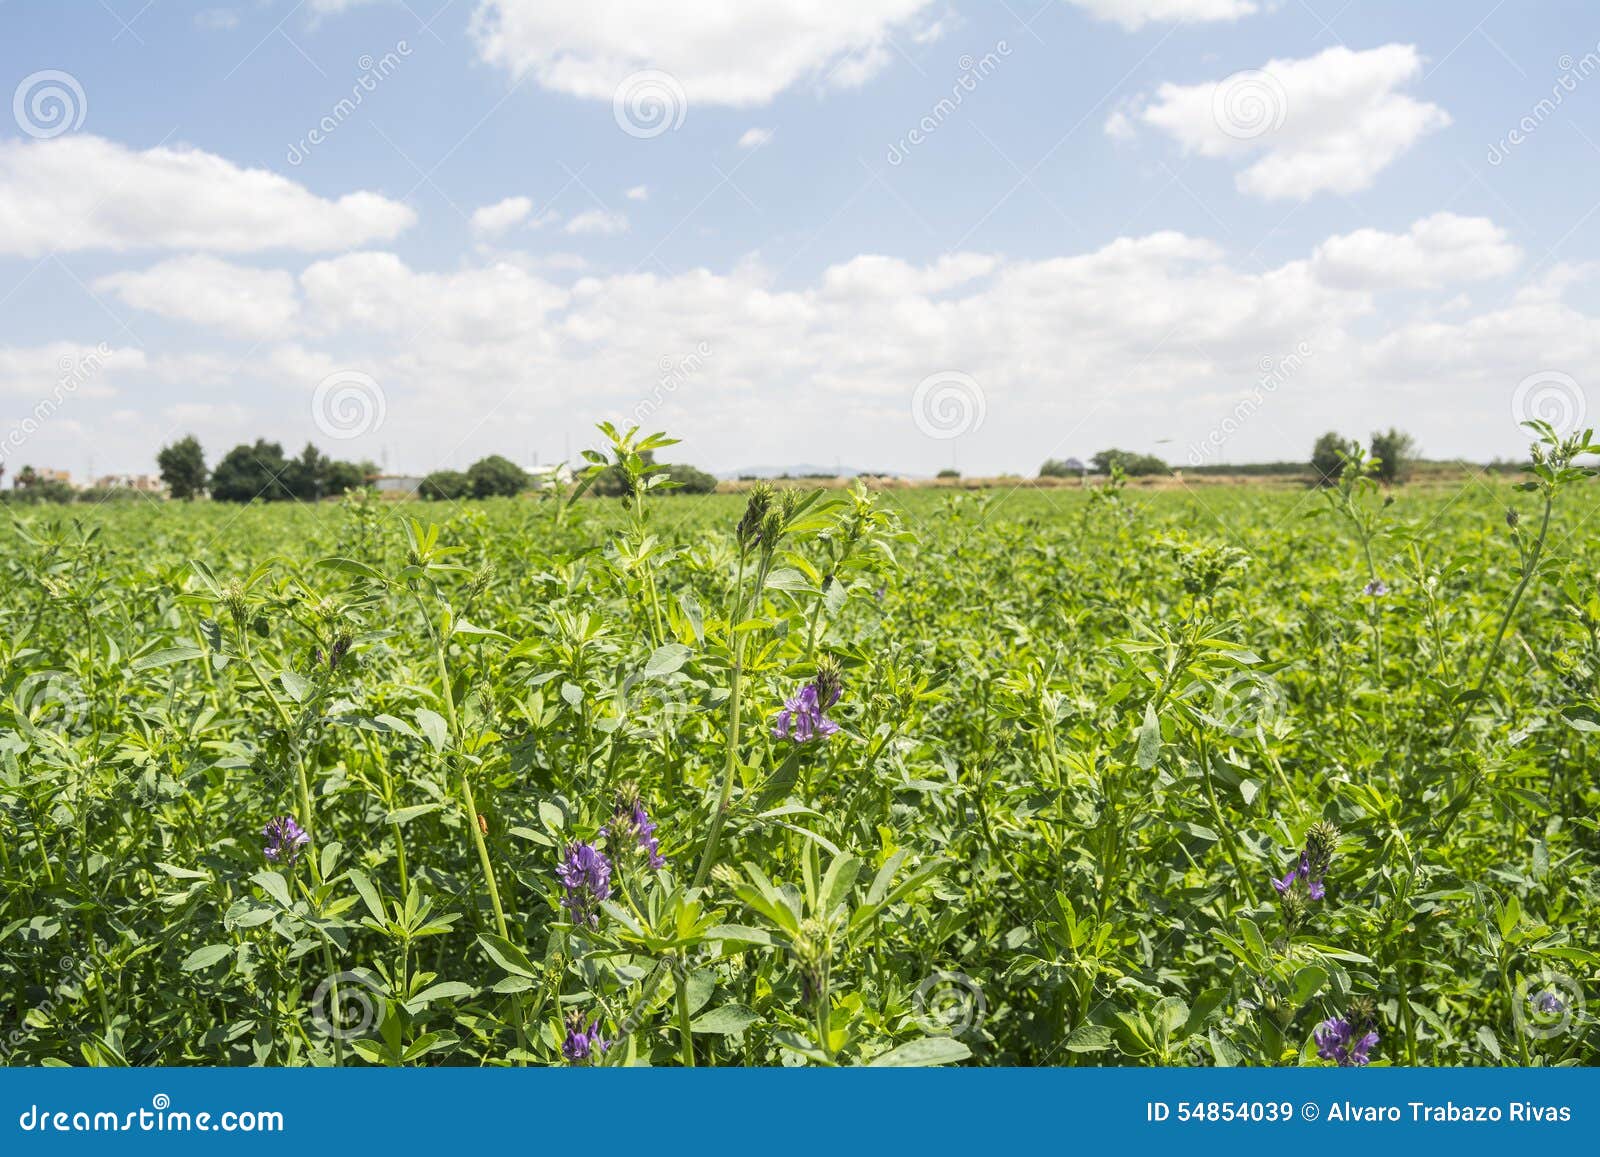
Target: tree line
1394 454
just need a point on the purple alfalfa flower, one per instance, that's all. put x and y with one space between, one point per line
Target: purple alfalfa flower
632 820
1375 589
585 874
1315 860
583 1042
1301 871
803 717
285 839
1548 1003
1342 1040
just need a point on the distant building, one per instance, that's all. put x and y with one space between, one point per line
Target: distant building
64 477
144 483
397 485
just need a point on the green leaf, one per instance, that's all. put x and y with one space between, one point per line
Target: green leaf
178 873
924 1052
434 727
507 955
407 814
725 1020
273 885
1149 739
181 653
206 957
665 660
1088 1038
369 895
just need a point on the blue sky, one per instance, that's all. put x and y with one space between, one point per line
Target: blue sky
899 235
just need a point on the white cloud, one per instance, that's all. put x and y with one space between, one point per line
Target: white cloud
81 192
755 138
1135 14
1438 250
61 369
1153 336
217 19
601 221
1327 123
204 290
502 215
638 193
721 54
379 293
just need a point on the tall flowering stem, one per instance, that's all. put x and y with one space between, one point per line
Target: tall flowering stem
1552 469
763 523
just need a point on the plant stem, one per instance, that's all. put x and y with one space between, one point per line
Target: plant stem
685 1034
708 858
1530 566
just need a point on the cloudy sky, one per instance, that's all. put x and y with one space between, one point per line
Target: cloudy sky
898 234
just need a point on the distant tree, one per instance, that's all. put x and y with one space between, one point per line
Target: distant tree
183 468
247 473
691 480
347 476
1132 463
947 472
306 477
1059 468
445 486
1396 455
1328 457
27 477
496 476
